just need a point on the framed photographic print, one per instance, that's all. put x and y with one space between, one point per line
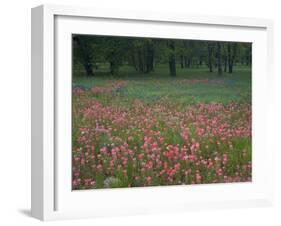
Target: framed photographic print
137 112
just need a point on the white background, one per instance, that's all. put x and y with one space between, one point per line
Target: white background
15 111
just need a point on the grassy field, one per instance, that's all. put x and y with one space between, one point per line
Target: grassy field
183 89
151 129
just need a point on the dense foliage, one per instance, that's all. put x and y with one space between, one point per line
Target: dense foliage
144 53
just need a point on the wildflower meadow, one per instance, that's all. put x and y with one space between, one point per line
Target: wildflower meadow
132 129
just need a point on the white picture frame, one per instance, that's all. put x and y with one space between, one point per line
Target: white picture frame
52 197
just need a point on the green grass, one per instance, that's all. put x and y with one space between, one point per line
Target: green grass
158 84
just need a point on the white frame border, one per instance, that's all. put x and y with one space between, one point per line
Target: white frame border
43 87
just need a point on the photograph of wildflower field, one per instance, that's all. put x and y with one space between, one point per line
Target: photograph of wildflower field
156 112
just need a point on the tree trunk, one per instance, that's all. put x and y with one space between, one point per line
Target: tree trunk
189 62
229 57
200 61
149 57
225 63
88 68
85 54
134 60
185 61
219 58
230 68
140 61
210 65
182 65
151 64
231 49
172 66
172 58
111 67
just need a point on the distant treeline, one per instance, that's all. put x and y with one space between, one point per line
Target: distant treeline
144 53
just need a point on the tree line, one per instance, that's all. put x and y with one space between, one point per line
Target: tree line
145 53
